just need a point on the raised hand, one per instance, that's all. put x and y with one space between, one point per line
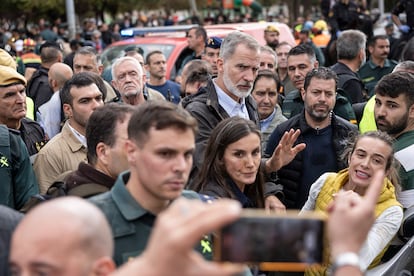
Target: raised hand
285 151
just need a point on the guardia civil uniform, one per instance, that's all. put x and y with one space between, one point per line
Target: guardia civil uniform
18 182
131 224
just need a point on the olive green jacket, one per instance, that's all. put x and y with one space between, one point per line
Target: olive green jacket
131 224
18 181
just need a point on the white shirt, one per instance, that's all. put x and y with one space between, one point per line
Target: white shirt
232 107
80 137
50 115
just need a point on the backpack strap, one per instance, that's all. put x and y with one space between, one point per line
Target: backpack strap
5 152
87 190
57 189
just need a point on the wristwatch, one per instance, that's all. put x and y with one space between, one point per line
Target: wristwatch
345 259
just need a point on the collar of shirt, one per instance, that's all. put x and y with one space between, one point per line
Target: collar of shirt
373 65
264 124
232 107
126 203
80 137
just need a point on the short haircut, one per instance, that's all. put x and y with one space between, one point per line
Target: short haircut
81 80
50 54
197 70
407 65
118 62
303 49
408 51
150 54
267 49
200 31
396 84
74 44
133 49
374 39
283 43
160 115
267 74
234 39
322 73
102 124
350 43
89 51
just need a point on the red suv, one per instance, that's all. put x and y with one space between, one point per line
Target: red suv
172 41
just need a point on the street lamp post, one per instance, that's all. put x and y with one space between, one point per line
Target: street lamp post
70 17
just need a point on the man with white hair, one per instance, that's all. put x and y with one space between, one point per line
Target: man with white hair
128 79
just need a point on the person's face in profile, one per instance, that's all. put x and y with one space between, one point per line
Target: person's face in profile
392 115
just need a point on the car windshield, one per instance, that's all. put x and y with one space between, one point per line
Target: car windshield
109 55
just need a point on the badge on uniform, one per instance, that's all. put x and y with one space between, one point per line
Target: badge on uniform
4 162
206 245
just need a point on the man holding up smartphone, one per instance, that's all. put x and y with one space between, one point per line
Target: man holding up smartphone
350 219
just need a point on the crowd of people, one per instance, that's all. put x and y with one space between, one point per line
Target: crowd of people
144 164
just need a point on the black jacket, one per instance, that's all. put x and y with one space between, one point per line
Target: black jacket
38 87
204 106
350 83
33 135
290 176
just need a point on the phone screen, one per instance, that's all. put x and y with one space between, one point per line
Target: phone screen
287 242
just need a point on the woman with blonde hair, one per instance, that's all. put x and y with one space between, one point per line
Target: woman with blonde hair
370 153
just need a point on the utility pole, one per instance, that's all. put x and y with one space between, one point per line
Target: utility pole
193 6
70 17
381 6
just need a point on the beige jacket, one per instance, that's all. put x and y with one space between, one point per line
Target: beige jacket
63 153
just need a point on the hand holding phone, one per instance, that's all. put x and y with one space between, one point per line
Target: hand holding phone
284 242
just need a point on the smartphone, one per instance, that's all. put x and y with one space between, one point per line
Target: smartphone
275 242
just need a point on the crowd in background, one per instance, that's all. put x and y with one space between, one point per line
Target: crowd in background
274 127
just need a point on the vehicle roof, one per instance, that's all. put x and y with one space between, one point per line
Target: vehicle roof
176 37
151 40
255 29
145 31
174 34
